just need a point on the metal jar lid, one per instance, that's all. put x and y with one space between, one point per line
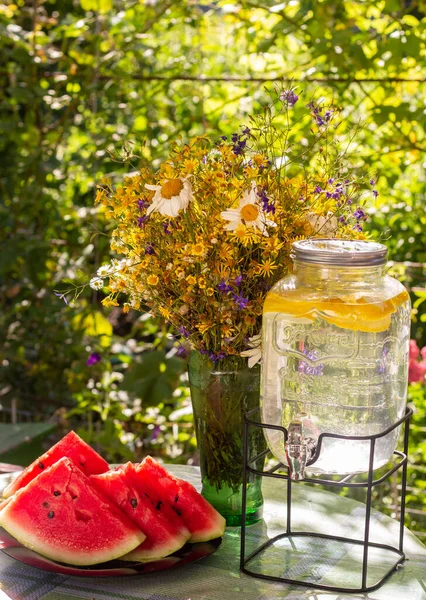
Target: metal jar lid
345 253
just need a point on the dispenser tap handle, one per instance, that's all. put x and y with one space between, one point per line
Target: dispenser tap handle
296 451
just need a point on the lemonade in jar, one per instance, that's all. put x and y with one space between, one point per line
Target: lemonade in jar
335 354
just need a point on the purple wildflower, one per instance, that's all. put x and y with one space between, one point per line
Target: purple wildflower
223 287
246 131
142 221
155 433
289 97
238 280
203 351
93 359
182 351
240 301
239 144
223 137
342 220
359 214
216 357
372 182
375 193
331 181
317 190
357 227
61 297
183 331
205 159
142 204
166 227
267 204
149 249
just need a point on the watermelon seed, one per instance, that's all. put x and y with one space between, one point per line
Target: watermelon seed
45 504
41 465
177 497
159 505
56 493
134 502
51 514
177 511
73 496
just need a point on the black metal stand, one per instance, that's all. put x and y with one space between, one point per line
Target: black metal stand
250 421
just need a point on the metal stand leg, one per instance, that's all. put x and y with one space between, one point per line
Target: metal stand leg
345 482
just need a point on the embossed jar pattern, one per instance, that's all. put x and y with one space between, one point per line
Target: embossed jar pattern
335 353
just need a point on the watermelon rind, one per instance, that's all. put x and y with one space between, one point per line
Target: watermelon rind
76 525
71 446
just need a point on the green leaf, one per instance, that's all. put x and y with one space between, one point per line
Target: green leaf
94 324
153 377
101 6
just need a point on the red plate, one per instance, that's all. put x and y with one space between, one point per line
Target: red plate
116 568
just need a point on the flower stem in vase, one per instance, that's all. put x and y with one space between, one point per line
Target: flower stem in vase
221 394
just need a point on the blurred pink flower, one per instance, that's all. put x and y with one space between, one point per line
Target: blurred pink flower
414 350
416 368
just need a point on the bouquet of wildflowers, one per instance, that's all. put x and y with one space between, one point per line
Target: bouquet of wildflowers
204 238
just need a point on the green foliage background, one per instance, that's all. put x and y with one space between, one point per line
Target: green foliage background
79 79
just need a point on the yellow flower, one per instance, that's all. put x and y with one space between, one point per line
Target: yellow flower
152 280
240 231
209 291
191 280
204 326
164 312
227 331
110 301
260 160
267 267
201 283
198 249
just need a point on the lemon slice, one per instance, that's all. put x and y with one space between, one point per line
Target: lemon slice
359 314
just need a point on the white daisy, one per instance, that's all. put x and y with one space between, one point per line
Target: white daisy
248 213
254 353
171 197
96 283
104 271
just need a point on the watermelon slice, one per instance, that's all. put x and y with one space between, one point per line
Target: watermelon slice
202 520
61 516
71 446
163 537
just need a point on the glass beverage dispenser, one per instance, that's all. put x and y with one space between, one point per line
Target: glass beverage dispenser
335 356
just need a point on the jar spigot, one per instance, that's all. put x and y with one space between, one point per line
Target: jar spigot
296 451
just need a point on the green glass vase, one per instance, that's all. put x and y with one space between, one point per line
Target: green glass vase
221 394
